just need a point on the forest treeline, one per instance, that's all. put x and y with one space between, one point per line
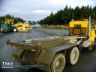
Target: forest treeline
15 19
68 13
8 16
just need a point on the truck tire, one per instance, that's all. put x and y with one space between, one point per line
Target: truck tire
94 46
72 55
58 63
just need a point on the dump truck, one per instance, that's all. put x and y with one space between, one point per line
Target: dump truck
50 54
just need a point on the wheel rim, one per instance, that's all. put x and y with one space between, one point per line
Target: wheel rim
58 64
74 56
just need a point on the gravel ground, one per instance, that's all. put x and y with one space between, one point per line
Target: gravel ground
54 31
86 63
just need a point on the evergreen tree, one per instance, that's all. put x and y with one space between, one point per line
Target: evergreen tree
64 16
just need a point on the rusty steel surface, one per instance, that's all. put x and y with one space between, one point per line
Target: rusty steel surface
45 42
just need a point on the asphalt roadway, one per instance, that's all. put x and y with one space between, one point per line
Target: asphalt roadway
86 63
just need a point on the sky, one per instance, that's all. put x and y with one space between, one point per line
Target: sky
38 9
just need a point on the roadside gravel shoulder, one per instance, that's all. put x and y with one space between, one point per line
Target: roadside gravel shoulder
54 31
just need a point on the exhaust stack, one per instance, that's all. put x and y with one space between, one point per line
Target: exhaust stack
89 26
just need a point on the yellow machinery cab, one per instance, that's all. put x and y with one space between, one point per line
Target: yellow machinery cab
82 28
78 28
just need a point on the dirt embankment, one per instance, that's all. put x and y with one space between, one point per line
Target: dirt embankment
55 26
